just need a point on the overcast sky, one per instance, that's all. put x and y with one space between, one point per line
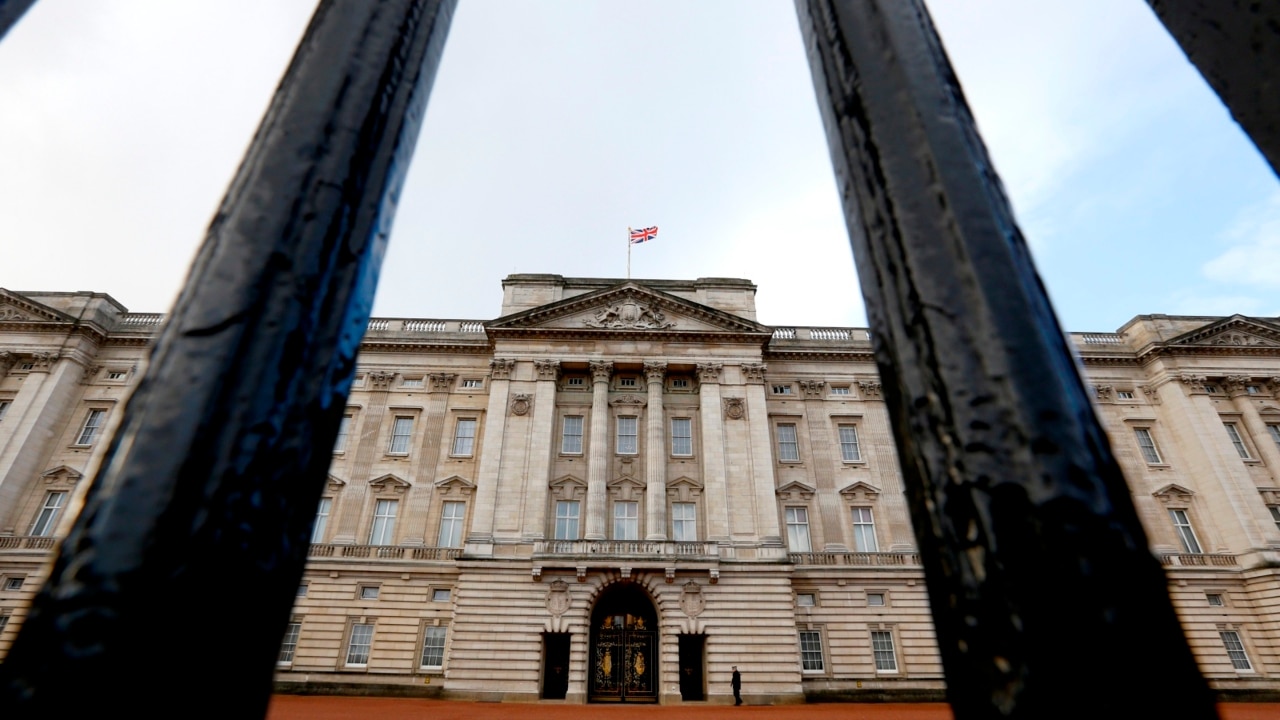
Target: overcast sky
554 125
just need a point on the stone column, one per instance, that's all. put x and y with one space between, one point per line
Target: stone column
831 510
713 462
763 480
1268 451
540 453
656 455
495 426
598 453
425 462
351 506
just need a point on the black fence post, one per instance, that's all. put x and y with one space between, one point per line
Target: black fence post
194 533
1236 47
1046 600
11 11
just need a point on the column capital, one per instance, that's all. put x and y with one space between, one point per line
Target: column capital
655 372
1273 384
754 372
812 388
44 361
7 359
500 368
601 370
1235 385
870 390
709 372
547 369
1195 383
380 380
441 382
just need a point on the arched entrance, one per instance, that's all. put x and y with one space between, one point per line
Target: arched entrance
624 646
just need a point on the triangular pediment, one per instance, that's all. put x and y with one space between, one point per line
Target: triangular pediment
626 308
1235 331
860 491
685 482
795 491
389 483
62 474
627 481
1174 493
336 483
568 480
17 308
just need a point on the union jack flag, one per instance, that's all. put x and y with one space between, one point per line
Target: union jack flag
644 235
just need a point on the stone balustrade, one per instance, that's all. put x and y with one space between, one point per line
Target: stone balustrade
27 542
1198 560
384 552
855 558
626 549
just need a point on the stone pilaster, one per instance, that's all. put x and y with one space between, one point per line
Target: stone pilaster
540 453
1269 452
350 506
426 461
763 479
713 461
656 456
831 511
480 539
598 453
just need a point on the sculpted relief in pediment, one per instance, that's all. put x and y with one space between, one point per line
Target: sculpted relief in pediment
629 315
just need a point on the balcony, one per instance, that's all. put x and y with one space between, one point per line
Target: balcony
384 552
856 559
1197 560
628 549
27 542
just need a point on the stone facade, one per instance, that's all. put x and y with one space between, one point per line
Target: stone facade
617 490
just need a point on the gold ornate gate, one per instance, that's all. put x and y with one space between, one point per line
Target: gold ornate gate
624 648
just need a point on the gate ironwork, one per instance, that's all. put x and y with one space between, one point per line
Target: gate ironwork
1035 561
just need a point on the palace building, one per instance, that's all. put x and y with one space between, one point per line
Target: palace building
619 489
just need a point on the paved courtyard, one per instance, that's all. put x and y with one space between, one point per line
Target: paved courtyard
293 707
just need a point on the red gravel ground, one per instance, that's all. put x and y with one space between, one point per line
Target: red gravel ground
294 707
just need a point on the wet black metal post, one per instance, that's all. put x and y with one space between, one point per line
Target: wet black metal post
1046 600
1235 44
194 533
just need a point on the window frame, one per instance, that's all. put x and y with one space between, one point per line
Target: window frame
399 422
435 595
354 632
320 525
796 510
633 446
879 653
5 404
1243 652
576 519
471 384
1183 528
369 592
344 434
812 595
456 524
289 644
689 524
864 528
845 445
14 583
1150 451
383 524
781 389
46 520
841 390
89 429
629 522
427 645
1237 440
807 654
688 436
565 435
464 445
793 443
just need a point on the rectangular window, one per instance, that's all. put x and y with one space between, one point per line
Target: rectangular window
679 383
290 643
684 522
781 389
849 450
627 444
567 514
882 648
47 521
369 593
798 529
788 446
401 431
1147 445
441 595
383 531
92 423
322 520
864 531
840 390
627 382
1238 442
464 437
681 436
344 432
361 641
4 408
806 600
4 621
1252 389
875 599
302 590
1124 394
451 516
1273 429
811 650
571 438
472 383
14 583
115 374
433 648
1214 600
575 382
626 521
411 382
1275 514
1188 536
1235 650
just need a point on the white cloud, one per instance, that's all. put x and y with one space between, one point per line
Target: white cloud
1254 256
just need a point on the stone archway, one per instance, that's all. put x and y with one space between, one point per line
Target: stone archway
623 658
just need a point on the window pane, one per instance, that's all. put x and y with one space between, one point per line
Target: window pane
788 448
344 431
811 650
684 524
433 648
1147 445
1185 533
571 438
290 642
1236 440
567 520
464 437
882 647
91 425
798 529
626 521
451 517
681 436
627 435
1235 650
358 648
849 450
401 430
1272 430
47 521
864 530
322 520
384 523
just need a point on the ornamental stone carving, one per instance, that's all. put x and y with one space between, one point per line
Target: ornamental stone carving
1194 383
692 601
870 389
441 382
8 313
601 370
655 372
629 315
709 372
521 403
381 380
1273 384
1103 392
735 408
754 372
501 368
1152 393
7 359
43 361
636 401
1239 339
812 388
558 599
90 372
547 369
1235 384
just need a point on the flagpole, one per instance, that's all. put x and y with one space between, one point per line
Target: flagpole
628 252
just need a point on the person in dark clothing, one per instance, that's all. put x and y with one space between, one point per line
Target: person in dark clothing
737 686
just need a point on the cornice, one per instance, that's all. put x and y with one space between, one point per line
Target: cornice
560 334
627 291
826 353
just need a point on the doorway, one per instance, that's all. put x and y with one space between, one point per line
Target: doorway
623 662
555 666
692 661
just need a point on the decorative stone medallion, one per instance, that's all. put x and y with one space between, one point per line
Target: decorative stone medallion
558 599
520 403
734 408
629 315
692 601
